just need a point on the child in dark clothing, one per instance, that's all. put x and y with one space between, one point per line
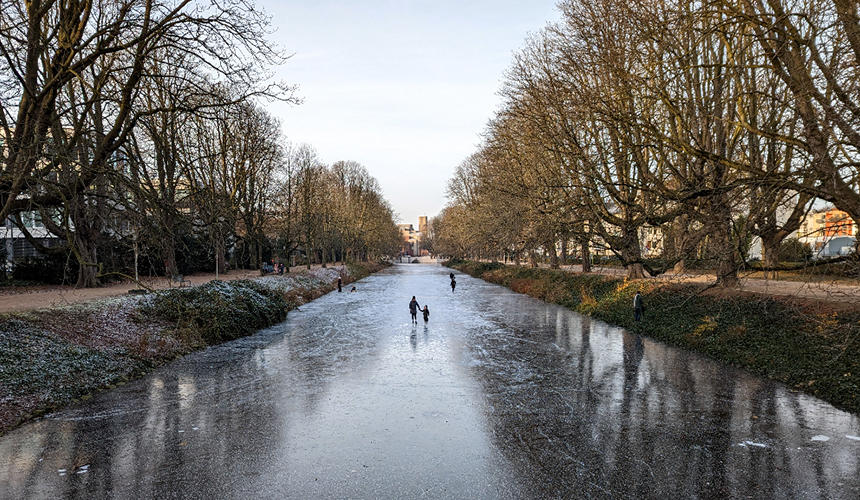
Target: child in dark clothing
426 312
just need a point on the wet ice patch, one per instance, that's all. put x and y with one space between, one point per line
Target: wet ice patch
753 444
820 438
853 438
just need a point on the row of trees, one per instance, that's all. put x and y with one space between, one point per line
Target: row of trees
715 122
132 129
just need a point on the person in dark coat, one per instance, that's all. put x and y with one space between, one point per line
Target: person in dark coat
413 309
339 284
426 312
638 307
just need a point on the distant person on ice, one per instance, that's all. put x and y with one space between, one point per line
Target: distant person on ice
453 284
638 307
413 309
426 312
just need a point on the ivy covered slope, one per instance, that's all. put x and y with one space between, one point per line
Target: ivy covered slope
808 345
51 357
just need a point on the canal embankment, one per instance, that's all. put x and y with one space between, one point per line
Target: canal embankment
55 356
811 346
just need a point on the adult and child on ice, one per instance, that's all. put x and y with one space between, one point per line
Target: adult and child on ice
414 308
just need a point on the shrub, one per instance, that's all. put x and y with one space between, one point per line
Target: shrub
792 250
219 311
54 269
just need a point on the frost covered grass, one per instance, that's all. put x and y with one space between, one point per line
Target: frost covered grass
805 344
51 357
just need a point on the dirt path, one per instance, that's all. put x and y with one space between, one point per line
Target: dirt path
817 290
16 299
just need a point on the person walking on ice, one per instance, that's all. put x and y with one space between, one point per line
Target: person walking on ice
638 307
413 309
453 284
426 312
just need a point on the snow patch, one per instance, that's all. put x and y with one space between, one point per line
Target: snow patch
746 444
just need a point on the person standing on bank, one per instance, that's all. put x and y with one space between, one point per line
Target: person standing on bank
638 307
339 284
413 309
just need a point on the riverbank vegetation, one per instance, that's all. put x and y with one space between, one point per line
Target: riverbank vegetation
670 136
51 357
807 345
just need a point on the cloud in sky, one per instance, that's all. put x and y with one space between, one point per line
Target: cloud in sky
403 87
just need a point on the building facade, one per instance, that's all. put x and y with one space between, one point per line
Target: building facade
411 244
829 232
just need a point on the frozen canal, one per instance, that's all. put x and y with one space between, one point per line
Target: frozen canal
498 396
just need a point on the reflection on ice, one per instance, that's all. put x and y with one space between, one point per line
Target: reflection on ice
587 408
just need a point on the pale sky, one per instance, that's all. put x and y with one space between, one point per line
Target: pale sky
402 87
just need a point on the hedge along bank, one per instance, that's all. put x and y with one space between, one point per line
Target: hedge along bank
51 357
804 345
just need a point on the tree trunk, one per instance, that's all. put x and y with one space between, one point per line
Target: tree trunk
258 254
770 254
681 235
586 255
631 254
553 255
220 256
88 268
727 267
168 253
564 250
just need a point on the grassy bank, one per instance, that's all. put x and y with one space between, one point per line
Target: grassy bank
803 344
51 357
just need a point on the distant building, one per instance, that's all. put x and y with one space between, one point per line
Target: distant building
16 246
651 241
411 244
829 232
